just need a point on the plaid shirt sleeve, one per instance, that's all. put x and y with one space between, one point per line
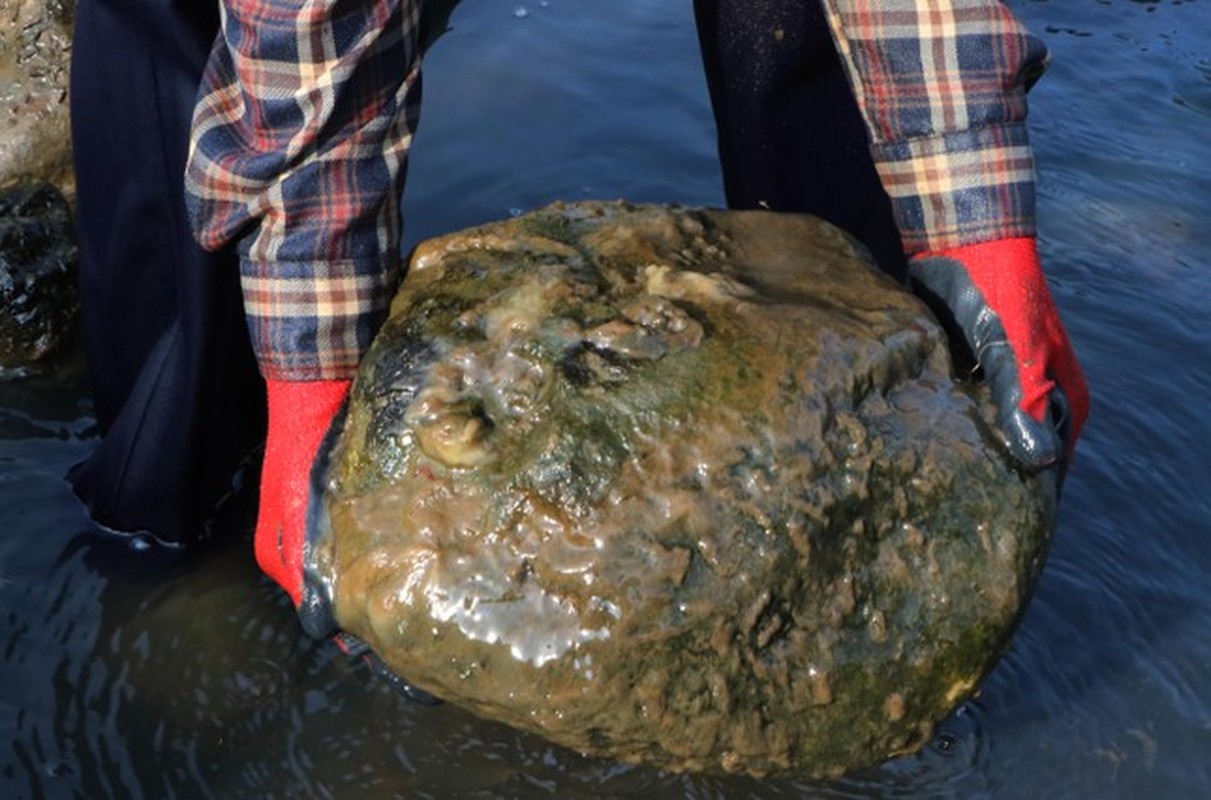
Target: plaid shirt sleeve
299 143
942 87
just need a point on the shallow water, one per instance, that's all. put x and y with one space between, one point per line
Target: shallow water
128 674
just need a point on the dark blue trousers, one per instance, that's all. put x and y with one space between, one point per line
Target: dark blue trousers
791 137
177 394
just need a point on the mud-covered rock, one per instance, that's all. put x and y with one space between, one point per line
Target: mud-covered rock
38 300
689 488
35 55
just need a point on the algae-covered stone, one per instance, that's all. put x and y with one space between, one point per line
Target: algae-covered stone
684 487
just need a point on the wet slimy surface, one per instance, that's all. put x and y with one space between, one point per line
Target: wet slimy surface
691 488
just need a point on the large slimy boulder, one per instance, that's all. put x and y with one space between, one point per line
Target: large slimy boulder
682 487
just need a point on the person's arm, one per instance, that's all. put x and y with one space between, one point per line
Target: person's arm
300 138
942 87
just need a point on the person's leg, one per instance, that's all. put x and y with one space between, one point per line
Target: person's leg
177 394
791 137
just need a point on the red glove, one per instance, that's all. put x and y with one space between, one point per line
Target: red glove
299 416
996 296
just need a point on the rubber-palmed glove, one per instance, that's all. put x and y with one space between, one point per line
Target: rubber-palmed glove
995 294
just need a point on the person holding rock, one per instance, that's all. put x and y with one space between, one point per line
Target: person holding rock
901 121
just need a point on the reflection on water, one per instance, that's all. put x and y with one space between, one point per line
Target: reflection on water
150 674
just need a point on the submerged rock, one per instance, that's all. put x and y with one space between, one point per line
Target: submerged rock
38 301
682 487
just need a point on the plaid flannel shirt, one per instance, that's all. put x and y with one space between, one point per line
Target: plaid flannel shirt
942 87
307 109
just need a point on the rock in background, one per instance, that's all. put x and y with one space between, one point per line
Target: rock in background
38 304
35 51
38 299
688 488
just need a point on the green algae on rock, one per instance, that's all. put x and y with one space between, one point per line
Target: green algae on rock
690 488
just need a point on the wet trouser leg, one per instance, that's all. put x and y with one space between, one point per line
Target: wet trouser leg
791 137
177 394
